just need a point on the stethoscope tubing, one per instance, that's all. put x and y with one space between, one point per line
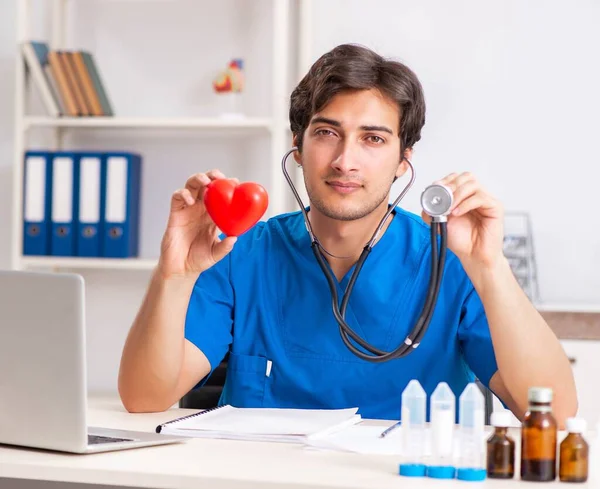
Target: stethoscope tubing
438 258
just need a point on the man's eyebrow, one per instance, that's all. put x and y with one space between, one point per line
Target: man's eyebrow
377 128
333 122
325 120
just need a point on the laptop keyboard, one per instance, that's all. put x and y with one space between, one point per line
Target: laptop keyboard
96 439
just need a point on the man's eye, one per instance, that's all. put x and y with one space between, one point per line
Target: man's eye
324 132
376 139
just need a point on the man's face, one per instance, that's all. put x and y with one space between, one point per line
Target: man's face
351 154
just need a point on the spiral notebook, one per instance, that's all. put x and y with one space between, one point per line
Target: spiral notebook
261 424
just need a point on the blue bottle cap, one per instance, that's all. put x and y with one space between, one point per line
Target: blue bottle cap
441 472
466 474
412 470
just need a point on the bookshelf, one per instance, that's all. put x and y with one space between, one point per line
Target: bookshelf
148 122
59 262
289 55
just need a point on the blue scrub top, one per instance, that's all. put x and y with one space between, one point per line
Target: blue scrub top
268 303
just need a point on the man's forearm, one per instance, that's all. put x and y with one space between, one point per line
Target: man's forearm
527 351
153 353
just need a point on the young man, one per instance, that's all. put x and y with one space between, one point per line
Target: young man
355 118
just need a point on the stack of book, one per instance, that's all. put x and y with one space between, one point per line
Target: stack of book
68 81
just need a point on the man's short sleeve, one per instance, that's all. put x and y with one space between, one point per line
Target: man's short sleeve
475 339
209 319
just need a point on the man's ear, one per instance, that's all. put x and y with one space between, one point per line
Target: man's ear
297 155
403 166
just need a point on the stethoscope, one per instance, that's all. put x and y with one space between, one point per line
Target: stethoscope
436 201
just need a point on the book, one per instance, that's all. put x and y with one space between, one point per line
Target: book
76 91
261 424
62 81
35 54
94 72
87 85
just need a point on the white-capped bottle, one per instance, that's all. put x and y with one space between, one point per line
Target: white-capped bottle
500 448
574 453
443 420
471 421
414 410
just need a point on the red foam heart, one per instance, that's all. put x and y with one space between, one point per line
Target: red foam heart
235 208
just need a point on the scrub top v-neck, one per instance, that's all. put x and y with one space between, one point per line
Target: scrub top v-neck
268 304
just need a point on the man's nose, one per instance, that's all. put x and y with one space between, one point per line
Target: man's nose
346 159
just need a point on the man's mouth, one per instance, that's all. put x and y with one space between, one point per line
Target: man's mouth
344 187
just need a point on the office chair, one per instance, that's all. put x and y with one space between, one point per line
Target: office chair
489 401
207 396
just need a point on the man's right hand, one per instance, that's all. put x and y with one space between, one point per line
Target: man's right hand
191 242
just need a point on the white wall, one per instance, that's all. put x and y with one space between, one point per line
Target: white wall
511 91
512 95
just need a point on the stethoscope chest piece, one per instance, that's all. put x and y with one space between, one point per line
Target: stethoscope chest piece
436 200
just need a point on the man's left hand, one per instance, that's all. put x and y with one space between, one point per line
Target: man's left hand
475 223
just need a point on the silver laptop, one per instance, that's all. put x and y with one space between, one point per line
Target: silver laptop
43 388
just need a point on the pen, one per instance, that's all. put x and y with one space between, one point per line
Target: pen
387 431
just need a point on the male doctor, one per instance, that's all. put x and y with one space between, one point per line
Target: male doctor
355 117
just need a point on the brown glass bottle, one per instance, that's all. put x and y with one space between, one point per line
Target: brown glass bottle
538 437
574 452
500 448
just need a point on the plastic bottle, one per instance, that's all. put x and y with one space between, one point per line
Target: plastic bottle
500 448
471 455
414 409
538 437
443 407
574 453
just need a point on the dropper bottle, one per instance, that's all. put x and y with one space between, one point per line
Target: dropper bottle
574 453
500 448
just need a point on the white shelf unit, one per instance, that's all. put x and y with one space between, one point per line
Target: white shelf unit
148 122
276 125
59 262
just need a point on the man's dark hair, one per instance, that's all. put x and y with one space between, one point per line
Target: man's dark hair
354 67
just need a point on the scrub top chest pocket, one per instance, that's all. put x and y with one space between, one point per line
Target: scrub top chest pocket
246 380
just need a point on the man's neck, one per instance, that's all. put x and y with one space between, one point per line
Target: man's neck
346 238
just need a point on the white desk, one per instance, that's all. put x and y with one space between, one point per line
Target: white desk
202 463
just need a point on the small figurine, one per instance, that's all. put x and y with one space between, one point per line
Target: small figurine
231 79
228 85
